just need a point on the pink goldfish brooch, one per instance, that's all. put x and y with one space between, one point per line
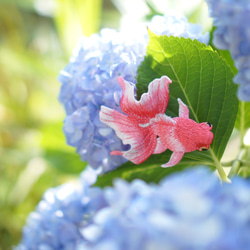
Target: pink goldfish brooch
148 130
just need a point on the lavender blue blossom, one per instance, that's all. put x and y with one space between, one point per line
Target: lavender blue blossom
173 25
232 18
61 214
189 210
89 81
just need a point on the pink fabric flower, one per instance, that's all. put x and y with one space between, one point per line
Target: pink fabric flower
148 130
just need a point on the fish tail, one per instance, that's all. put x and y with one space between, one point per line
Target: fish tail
142 140
153 102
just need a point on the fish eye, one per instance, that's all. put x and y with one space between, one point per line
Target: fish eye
203 149
209 124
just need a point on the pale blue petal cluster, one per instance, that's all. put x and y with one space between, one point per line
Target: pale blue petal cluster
178 25
232 19
59 216
188 210
90 80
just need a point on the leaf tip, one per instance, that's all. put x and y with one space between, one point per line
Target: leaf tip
150 33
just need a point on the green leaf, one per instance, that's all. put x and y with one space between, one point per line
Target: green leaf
203 80
130 171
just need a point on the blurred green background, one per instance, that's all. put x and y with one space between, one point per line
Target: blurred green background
36 40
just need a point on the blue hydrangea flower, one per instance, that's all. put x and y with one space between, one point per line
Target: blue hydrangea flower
60 215
174 25
232 18
89 81
187 210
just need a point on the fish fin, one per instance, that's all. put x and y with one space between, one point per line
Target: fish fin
142 140
153 102
163 119
183 109
174 159
160 147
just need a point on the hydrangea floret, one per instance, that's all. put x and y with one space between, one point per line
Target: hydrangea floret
232 19
63 211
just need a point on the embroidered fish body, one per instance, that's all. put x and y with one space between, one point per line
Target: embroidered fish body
148 130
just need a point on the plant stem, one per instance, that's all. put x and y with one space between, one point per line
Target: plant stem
219 168
222 173
245 163
238 162
227 164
